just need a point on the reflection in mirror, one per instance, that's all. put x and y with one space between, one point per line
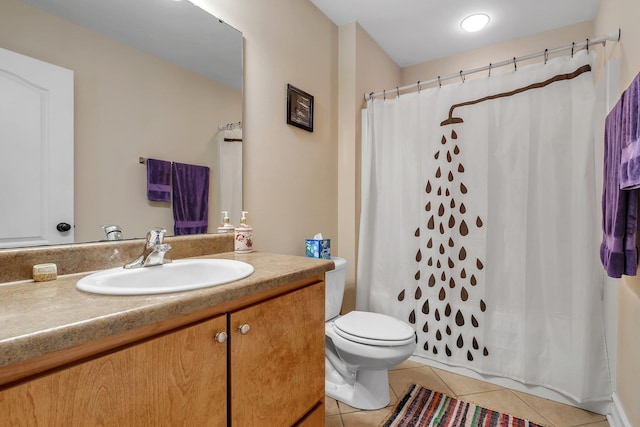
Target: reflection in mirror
151 78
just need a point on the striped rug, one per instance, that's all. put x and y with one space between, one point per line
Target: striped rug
425 408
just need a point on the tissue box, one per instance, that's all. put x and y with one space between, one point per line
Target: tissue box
318 248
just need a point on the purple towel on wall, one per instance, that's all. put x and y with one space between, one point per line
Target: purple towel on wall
158 180
630 162
618 251
190 199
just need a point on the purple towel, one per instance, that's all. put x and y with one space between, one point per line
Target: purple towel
630 162
158 180
190 199
618 251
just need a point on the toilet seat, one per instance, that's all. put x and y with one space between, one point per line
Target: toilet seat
373 329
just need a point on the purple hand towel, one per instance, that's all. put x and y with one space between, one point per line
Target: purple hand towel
158 180
190 199
630 167
618 251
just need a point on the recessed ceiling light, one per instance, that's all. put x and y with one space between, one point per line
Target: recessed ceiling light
475 22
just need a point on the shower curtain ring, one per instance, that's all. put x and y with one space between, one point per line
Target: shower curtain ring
546 55
573 45
419 86
370 96
490 64
439 82
397 92
384 95
587 46
515 64
461 76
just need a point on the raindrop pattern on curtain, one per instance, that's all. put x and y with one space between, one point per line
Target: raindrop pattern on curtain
452 269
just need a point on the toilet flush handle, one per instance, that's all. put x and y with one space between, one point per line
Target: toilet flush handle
244 329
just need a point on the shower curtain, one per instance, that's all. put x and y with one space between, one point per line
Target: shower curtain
478 225
230 172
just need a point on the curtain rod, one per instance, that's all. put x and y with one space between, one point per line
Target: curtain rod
615 36
230 126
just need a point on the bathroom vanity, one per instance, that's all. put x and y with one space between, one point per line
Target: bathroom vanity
248 353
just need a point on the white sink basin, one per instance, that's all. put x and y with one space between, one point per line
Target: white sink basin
180 275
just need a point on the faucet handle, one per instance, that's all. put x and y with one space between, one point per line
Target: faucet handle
155 236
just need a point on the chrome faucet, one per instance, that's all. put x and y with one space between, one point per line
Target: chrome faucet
112 232
154 250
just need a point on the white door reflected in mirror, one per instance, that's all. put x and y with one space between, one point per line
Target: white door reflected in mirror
36 129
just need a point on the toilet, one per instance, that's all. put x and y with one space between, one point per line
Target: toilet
360 348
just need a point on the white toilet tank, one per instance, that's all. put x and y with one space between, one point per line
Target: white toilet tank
334 291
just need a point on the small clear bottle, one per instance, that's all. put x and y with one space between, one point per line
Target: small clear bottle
243 236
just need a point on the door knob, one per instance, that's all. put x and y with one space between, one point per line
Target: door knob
63 226
244 329
220 337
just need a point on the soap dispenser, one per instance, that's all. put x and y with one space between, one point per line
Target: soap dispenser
243 236
226 226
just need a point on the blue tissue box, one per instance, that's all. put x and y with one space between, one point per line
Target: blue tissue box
315 248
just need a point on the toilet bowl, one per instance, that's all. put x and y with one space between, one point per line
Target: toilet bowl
360 348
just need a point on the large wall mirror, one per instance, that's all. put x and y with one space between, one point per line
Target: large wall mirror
151 79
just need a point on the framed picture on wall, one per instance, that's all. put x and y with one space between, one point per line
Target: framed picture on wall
299 108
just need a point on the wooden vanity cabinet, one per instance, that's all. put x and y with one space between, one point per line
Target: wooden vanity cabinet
277 367
172 380
269 372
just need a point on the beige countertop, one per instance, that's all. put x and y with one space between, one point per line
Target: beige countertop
38 318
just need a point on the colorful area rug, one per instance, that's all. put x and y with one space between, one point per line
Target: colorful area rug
425 408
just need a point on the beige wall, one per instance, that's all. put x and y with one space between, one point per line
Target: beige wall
127 104
628 362
363 65
624 14
290 175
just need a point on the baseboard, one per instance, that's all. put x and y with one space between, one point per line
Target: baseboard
617 417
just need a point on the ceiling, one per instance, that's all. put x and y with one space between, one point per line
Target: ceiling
178 32
415 31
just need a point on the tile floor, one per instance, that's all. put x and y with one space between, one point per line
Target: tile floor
542 411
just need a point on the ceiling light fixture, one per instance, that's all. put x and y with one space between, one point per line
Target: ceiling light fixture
475 22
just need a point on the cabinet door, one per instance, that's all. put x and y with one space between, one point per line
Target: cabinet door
277 367
178 379
314 418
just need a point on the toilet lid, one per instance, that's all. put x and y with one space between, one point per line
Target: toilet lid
373 329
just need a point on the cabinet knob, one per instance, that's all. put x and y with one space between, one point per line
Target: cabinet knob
244 329
220 337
